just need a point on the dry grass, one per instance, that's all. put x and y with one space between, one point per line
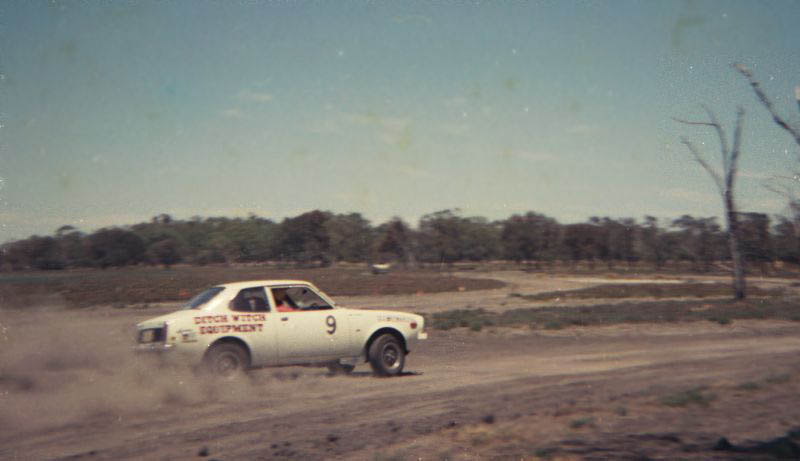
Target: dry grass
647 290
694 396
721 311
137 285
653 425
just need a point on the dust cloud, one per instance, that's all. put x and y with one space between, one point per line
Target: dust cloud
61 367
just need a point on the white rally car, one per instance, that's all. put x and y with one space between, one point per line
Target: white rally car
231 327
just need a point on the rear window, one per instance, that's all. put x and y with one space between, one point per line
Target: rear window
202 298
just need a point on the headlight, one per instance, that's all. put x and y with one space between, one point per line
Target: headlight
152 335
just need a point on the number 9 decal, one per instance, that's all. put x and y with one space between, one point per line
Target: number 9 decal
330 321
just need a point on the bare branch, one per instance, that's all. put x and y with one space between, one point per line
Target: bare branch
767 103
714 175
795 177
783 185
723 143
689 122
779 189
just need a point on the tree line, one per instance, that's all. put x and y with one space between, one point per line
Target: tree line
321 238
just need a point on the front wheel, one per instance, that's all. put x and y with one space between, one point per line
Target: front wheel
386 356
226 360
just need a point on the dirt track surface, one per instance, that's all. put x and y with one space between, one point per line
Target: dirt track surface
70 389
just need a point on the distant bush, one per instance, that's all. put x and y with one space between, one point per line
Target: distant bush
694 396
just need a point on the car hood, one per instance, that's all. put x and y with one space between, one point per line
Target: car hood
158 321
390 316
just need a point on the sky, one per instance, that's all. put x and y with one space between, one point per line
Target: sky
114 112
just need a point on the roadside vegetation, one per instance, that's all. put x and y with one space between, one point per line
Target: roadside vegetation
694 396
645 290
67 268
122 287
769 305
440 239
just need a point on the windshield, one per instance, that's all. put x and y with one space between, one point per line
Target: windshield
202 298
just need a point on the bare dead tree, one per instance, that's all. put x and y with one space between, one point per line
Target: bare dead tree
725 184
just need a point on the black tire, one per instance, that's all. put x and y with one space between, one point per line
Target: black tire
337 368
226 360
386 356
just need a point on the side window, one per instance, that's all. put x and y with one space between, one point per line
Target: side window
306 299
283 302
250 300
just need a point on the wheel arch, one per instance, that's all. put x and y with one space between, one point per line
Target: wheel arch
380 331
231 340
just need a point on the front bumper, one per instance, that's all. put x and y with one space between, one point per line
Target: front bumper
153 348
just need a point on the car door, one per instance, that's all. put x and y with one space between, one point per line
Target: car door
252 320
311 330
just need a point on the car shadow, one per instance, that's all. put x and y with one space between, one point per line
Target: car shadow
369 374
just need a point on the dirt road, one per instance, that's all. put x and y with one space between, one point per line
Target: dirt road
69 389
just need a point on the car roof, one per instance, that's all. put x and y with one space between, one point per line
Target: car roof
267 283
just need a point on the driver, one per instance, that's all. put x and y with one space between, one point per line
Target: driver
282 301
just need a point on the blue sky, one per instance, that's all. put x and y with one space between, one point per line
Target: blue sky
114 112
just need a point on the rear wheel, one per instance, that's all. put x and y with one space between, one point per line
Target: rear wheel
226 360
386 356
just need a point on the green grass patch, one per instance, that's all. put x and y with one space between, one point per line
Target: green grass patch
694 396
475 319
646 290
722 320
545 453
553 325
582 422
480 438
749 386
556 317
779 379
